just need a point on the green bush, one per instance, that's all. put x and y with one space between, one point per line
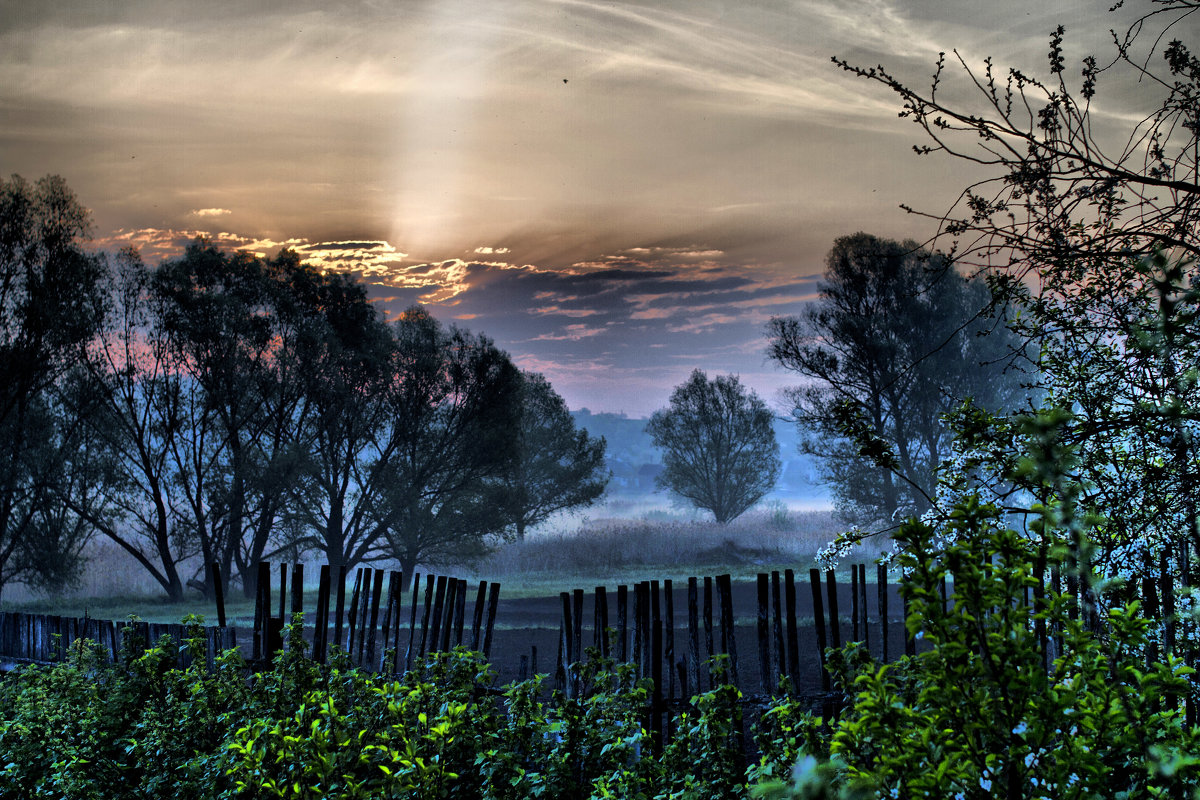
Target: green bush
978 715
982 712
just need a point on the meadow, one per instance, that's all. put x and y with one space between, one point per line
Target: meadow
623 540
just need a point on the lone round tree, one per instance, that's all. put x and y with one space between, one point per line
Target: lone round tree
718 443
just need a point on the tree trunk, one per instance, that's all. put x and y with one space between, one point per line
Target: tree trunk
408 565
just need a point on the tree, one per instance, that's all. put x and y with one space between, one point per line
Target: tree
454 401
719 448
893 343
236 331
1089 227
49 311
556 467
129 397
348 361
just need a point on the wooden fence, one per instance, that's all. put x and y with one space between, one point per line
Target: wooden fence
384 628
373 620
356 626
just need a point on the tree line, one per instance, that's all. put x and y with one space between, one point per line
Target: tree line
225 408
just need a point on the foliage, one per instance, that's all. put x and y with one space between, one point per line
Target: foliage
556 467
981 714
893 342
1063 194
995 706
347 355
719 448
1087 231
454 400
49 309
144 728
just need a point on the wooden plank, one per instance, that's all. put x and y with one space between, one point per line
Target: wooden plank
600 598
297 588
638 604
780 660
391 614
693 671
793 635
562 667
283 593
340 605
448 614
353 614
460 611
493 602
764 636
728 627
412 620
655 604
862 588
881 587
567 656
218 592
669 638
321 635
274 637
376 592
477 619
623 623
262 609
656 670
577 619
835 622
708 632
814 579
425 615
853 603
439 604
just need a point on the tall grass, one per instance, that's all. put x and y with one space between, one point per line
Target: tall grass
617 546
618 542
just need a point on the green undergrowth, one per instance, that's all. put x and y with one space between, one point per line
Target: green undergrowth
984 712
143 728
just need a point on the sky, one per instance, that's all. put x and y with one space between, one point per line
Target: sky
617 193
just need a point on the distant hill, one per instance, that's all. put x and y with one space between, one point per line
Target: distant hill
635 461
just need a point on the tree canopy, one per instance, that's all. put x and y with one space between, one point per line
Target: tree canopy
556 467
1086 226
453 404
719 448
895 341
49 310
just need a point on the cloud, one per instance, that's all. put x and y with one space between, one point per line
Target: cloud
641 312
211 212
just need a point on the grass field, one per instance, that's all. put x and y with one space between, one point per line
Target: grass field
620 542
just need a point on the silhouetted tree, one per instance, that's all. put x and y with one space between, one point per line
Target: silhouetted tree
130 397
453 405
555 467
1089 224
892 344
719 448
237 330
349 358
49 310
